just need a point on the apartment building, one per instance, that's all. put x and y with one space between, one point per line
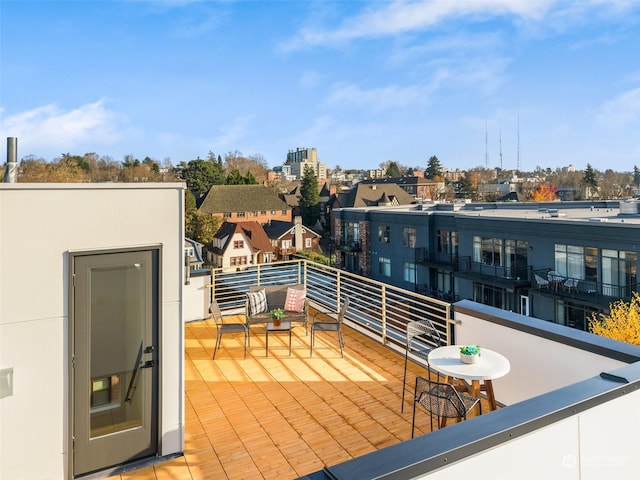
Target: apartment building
302 157
559 261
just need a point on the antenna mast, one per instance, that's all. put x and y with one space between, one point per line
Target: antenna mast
501 147
518 160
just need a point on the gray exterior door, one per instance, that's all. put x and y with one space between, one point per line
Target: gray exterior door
114 379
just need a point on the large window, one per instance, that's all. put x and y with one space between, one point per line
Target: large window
512 254
409 272
573 261
384 266
448 242
619 273
492 295
409 237
351 232
384 234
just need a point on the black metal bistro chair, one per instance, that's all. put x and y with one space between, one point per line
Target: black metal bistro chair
222 327
422 337
442 400
330 325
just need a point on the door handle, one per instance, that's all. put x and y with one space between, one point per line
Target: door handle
149 349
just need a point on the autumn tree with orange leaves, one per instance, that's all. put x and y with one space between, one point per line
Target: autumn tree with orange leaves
544 193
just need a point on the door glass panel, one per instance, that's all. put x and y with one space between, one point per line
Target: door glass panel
117 312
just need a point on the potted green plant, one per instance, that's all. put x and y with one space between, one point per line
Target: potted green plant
277 314
469 353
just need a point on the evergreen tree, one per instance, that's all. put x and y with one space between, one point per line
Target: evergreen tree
309 198
434 169
200 175
235 178
393 170
636 175
250 179
589 180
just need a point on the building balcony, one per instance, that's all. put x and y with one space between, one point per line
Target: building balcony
441 261
348 245
326 417
513 276
549 282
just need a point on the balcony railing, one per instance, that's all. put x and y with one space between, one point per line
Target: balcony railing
431 257
348 244
379 310
552 282
519 273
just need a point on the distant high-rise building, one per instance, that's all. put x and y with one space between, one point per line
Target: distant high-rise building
301 157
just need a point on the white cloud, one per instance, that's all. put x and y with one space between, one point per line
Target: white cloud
403 17
233 132
50 127
621 110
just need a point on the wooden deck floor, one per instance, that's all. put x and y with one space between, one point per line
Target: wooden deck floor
281 416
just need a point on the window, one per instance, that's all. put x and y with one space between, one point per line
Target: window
409 272
511 254
307 243
384 266
493 296
619 273
263 212
409 237
104 391
226 214
255 214
384 234
286 243
351 232
448 242
238 244
578 262
240 214
235 261
273 212
284 212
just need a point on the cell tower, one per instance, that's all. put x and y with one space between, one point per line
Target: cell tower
518 151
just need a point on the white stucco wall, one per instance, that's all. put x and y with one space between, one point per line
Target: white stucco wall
39 225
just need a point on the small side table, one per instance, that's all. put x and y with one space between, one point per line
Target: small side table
284 326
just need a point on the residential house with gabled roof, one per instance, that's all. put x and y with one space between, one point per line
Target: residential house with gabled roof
240 243
288 238
372 195
241 203
417 187
193 254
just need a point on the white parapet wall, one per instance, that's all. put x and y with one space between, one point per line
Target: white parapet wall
39 225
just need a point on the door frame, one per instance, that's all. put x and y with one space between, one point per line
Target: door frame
155 249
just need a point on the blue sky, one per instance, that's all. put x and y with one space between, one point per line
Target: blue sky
362 81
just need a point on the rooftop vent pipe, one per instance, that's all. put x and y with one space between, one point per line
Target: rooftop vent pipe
11 172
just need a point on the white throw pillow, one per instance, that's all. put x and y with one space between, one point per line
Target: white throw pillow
257 302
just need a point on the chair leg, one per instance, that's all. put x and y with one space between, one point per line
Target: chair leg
215 349
341 341
413 418
311 342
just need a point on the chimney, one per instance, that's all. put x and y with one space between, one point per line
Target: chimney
11 172
297 220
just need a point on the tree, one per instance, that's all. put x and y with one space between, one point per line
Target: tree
621 323
434 169
589 180
544 193
200 175
392 170
636 175
235 178
309 197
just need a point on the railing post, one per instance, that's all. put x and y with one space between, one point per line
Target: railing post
338 290
383 295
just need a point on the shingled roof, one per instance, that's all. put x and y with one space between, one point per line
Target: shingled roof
368 195
254 233
241 198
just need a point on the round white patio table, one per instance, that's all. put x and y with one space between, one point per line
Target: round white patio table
489 366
